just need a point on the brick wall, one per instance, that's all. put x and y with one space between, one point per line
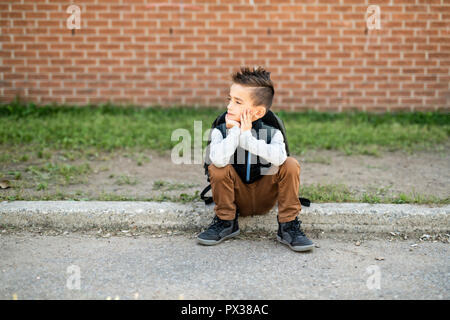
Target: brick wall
319 52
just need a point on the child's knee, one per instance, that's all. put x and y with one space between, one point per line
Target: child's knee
218 173
291 165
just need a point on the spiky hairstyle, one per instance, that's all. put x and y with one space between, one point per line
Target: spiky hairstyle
259 80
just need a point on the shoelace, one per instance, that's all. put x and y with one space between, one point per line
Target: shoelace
294 226
216 223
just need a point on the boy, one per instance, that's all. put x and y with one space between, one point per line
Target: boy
241 188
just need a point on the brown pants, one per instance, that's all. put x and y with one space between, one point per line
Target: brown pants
259 197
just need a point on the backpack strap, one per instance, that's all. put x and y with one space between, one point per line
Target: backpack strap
270 132
207 200
223 129
305 202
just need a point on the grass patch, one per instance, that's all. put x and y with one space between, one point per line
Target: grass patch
62 173
126 180
365 133
327 193
167 185
42 140
341 193
106 127
316 193
80 196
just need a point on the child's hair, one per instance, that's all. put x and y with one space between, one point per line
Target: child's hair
259 79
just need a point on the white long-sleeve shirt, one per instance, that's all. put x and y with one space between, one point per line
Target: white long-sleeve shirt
222 149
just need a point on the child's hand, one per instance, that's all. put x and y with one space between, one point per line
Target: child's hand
231 123
246 120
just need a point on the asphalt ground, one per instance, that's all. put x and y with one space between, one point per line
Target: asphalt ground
167 266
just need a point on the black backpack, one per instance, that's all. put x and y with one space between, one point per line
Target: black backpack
270 119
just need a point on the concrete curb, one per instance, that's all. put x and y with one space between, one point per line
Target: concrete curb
321 219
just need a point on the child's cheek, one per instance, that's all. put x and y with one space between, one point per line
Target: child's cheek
237 118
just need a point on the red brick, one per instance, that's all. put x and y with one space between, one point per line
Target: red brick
318 52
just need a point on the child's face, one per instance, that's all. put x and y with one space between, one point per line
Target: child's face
240 100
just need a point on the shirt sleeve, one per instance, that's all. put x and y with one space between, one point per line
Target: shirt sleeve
275 152
222 149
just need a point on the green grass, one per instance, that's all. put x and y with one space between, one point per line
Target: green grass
65 173
167 185
364 133
58 134
341 193
38 130
126 180
316 193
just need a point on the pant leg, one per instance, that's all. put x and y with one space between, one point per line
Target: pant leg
264 194
222 188
282 186
288 180
229 192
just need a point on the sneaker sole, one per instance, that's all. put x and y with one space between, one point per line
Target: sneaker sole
213 242
296 248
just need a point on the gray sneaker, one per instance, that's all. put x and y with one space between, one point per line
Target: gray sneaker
291 234
218 231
